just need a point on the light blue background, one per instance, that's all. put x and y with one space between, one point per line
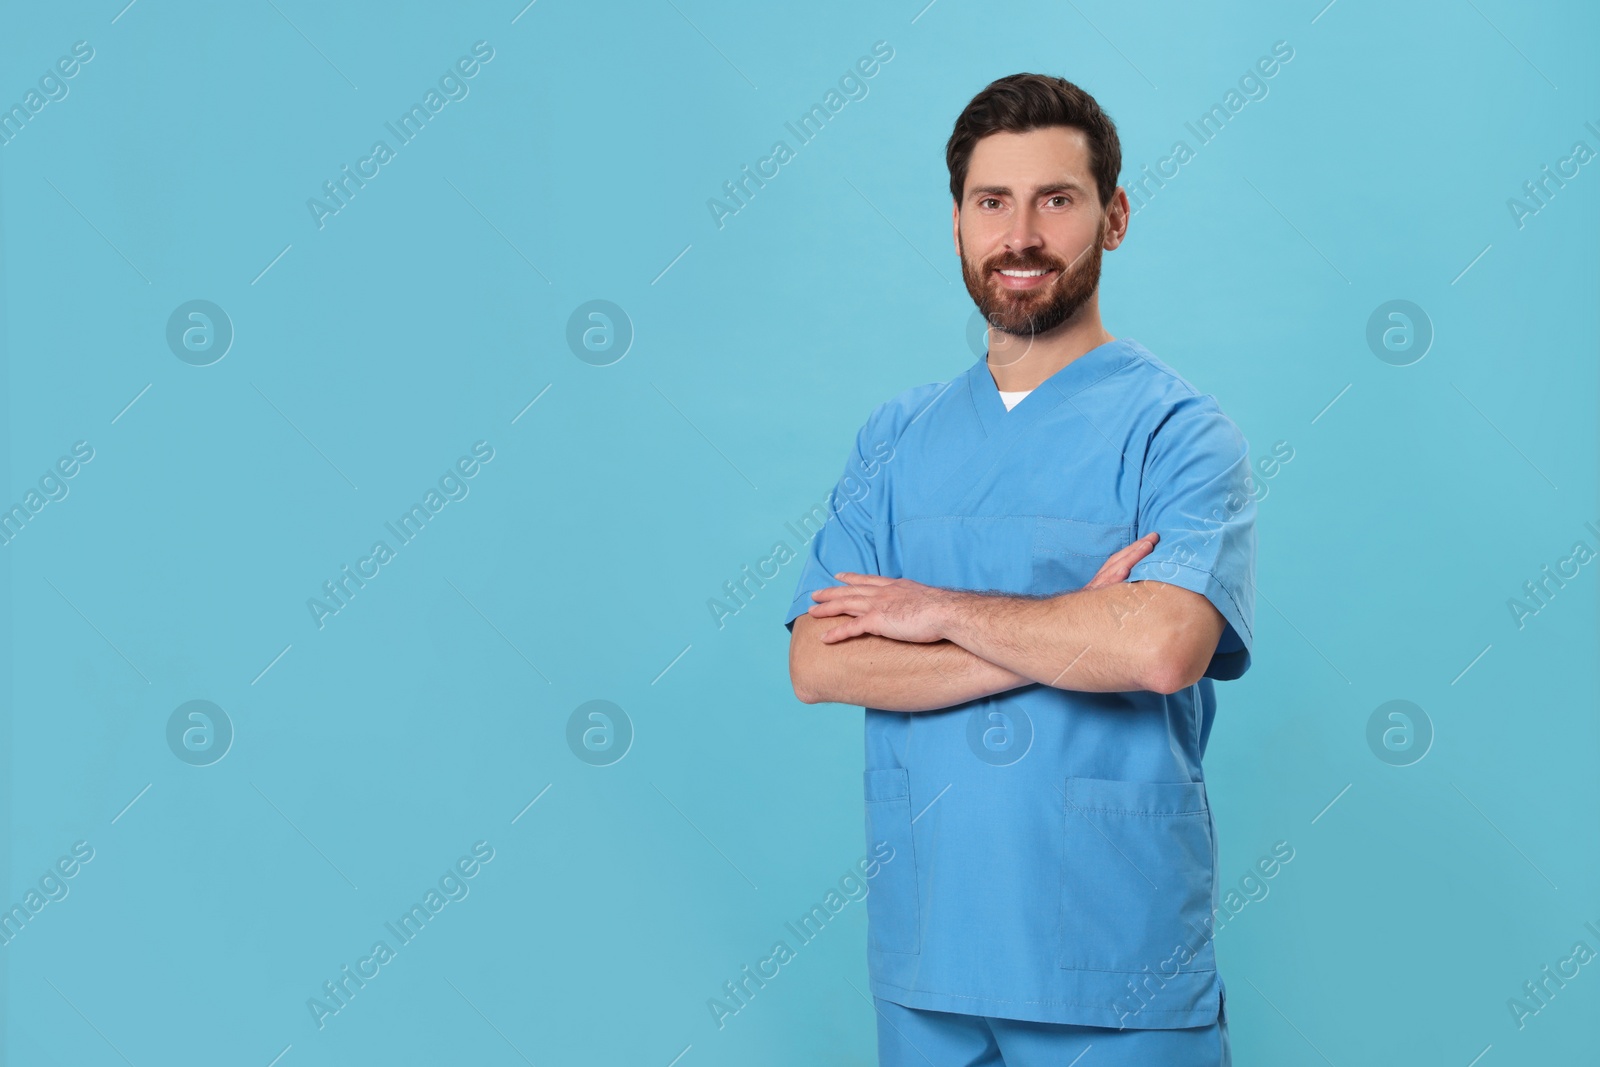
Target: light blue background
371 753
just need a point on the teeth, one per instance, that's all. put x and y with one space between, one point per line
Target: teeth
1023 273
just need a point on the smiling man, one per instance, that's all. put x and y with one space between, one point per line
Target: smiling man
1031 603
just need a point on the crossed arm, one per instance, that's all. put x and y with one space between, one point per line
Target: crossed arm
904 646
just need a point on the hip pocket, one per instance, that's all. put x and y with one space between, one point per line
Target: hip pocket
1138 876
894 914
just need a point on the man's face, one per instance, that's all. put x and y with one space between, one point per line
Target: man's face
1030 205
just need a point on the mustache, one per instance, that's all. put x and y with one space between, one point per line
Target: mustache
1042 264
1011 264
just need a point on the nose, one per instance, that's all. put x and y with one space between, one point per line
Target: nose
1023 233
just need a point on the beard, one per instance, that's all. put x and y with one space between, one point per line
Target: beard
1030 312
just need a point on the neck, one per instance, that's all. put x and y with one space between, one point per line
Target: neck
1019 363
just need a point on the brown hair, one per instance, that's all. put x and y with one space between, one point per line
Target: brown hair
1021 102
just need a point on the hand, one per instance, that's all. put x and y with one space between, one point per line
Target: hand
897 608
1117 565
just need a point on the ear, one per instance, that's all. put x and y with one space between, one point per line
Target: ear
1117 221
955 226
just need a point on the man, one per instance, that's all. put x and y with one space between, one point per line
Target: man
1052 561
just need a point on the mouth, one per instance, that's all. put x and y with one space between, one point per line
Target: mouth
1024 279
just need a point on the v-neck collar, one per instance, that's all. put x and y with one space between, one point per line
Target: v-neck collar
1081 372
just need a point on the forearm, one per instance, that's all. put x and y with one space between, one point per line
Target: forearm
1104 640
879 672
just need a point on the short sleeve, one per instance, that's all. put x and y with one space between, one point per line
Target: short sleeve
845 534
1197 493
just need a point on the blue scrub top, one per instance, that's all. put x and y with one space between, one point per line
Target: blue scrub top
1054 852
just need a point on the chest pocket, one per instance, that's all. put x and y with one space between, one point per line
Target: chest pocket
979 552
1068 552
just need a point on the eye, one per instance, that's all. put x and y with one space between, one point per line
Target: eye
1062 197
987 200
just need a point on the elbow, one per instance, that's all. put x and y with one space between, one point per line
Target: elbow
813 671
801 682
1166 686
1172 670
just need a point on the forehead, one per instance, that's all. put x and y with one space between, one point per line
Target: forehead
1022 161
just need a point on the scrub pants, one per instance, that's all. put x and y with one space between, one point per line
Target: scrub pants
915 1037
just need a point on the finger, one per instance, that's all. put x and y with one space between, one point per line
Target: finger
1127 557
862 579
1129 553
844 631
835 592
1139 547
854 606
1120 563
1105 578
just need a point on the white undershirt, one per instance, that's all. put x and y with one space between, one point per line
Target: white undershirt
1010 399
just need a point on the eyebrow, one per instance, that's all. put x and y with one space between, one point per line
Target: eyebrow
1067 186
